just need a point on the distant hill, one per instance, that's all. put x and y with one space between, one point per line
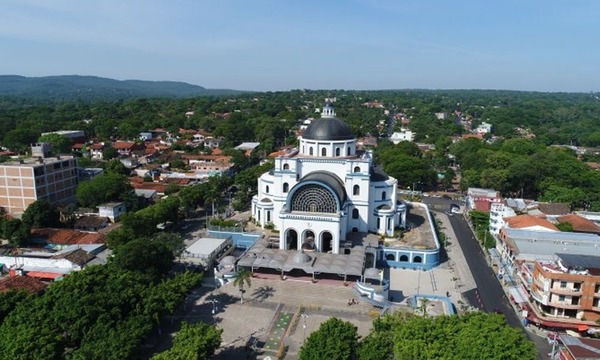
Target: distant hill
93 88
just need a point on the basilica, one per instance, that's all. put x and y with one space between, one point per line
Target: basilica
319 192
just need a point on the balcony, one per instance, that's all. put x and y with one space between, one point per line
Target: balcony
564 305
566 291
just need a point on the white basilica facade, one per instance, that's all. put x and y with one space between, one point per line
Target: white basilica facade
324 189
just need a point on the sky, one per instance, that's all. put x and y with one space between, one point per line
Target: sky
272 45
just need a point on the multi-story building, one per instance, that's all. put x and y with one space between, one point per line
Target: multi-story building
24 181
567 289
482 199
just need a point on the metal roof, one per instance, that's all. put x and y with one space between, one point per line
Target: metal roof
330 128
580 261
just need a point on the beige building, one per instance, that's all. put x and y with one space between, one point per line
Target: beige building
24 181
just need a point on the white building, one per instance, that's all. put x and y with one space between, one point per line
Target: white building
402 135
484 128
324 189
499 212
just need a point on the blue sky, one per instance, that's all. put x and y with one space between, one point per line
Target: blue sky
549 45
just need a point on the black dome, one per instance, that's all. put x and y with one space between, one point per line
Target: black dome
328 128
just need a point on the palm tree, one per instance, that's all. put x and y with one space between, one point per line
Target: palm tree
423 307
243 277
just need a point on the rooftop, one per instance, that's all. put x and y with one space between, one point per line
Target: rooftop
525 221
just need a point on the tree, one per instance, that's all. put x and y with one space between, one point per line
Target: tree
243 277
60 143
39 214
335 340
565 226
472 336
103 188
173 241
115 166
149 257
193 342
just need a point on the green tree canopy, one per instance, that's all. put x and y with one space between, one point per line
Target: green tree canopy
103 188
335 340
193 342
60 144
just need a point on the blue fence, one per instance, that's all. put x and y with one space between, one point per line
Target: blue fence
414 302
240 239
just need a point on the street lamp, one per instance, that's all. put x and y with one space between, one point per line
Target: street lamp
304 316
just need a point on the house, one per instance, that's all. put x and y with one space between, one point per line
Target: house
402 135
60 238
50 264
91 223
580 224
549 210
483 128
149 196
125 148
112 210
579 348
482 199
96 150
529 222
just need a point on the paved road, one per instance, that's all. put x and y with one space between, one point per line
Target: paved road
489 295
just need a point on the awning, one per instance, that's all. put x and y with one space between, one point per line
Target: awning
551 324
582 327
516 295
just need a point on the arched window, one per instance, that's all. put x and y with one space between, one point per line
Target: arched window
323 152
357 169
355 213
286 166
417 259
337 151
286 187
267 189
403 257
390 257
356 190
310 151
314 198
383 195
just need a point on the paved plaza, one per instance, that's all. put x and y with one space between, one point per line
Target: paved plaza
265 318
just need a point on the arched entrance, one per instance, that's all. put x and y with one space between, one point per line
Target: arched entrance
326 242
291 240
309 238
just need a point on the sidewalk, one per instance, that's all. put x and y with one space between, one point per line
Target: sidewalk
456 258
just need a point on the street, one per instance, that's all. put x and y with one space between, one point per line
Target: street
489 295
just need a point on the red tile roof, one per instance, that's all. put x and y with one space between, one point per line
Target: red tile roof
123 145
580 224
68 237
525 221
26 283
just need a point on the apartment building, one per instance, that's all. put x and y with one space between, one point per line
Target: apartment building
24 181
567 289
